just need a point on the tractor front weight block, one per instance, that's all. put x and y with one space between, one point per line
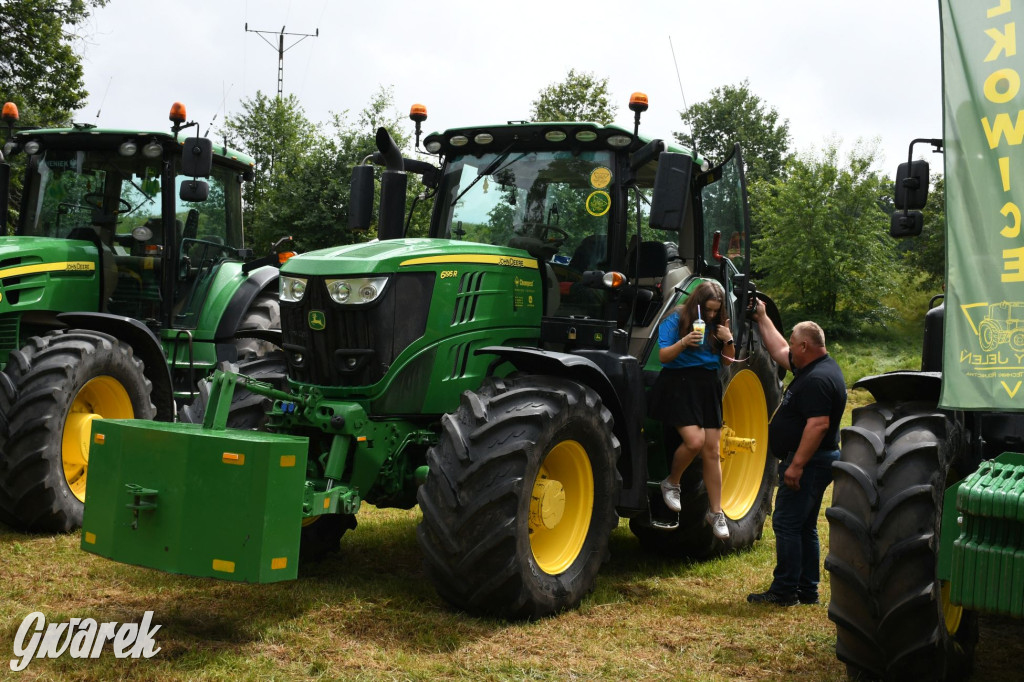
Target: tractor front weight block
216 503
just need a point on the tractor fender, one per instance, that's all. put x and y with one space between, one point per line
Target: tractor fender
618 380
145 345
258 281
902 386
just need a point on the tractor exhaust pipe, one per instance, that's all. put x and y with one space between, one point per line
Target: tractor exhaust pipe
393 184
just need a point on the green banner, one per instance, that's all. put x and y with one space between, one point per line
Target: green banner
983 113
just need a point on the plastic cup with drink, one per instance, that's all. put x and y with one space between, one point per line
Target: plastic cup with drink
698 325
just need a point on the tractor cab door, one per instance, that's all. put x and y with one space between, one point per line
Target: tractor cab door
208 234
726 231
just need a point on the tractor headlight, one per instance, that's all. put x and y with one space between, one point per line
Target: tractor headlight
357 290
292 289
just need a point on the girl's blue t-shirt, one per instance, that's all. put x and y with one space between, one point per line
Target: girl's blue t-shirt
701 356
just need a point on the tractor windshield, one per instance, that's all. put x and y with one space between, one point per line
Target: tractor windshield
110 194
553 204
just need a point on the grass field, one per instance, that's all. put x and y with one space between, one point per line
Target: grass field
370 613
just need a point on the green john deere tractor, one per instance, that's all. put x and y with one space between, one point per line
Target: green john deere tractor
494 373
123 285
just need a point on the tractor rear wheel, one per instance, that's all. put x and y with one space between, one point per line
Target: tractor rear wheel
64 381
248 410
520 500
264 313
7 394
892 613
749 472
321 535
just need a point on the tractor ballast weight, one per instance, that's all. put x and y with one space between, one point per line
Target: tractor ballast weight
494 373
125 282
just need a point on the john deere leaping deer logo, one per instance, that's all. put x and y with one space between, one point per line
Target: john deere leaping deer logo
1002 325
317 321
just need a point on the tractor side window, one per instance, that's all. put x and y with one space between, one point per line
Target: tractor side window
725 211
210 233
212 221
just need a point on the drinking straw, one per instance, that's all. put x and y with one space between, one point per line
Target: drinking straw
698 312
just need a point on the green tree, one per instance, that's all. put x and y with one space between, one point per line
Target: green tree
927 252
580 97
303 171
39 68
824 247
735 114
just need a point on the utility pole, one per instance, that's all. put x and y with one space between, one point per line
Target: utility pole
281 49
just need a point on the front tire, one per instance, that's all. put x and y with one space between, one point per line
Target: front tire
520 500
64 381
892 614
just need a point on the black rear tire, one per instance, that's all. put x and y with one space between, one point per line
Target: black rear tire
520 500
7 395
64 379
884 523
248 410
264 313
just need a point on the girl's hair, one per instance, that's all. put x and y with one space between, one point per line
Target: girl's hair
706 291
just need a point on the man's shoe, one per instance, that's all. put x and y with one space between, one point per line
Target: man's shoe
718 525
808 598
771 598
670 493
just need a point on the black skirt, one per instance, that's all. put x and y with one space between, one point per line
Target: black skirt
685 397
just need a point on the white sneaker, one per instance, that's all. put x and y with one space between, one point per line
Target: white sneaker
718 525
670 493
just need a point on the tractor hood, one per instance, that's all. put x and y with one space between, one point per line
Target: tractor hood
396 254
31 255
39 273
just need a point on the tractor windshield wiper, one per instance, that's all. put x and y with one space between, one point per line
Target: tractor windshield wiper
490 169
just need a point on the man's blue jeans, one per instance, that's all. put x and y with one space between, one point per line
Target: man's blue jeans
795 520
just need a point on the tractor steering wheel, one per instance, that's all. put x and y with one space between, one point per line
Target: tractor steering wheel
561 235
95 200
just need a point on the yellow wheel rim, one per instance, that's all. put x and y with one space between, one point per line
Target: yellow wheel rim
743 448
950 612
101 398
561 504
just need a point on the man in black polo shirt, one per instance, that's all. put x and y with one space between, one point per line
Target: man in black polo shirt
804 436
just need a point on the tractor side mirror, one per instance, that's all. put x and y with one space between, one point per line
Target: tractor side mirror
906 224
911 189
360 202
197 157
648 152
671 184
194 191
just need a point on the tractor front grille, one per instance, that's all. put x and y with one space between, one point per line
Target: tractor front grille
330 344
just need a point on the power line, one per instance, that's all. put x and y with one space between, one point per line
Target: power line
281 49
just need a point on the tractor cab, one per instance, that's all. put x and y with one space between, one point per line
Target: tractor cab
123 193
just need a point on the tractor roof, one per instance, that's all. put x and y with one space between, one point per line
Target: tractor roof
553 135
89 138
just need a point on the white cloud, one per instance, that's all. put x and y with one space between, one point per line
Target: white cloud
856 70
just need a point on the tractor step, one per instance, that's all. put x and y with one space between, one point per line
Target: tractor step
215 503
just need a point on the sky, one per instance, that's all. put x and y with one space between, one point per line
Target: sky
838 71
